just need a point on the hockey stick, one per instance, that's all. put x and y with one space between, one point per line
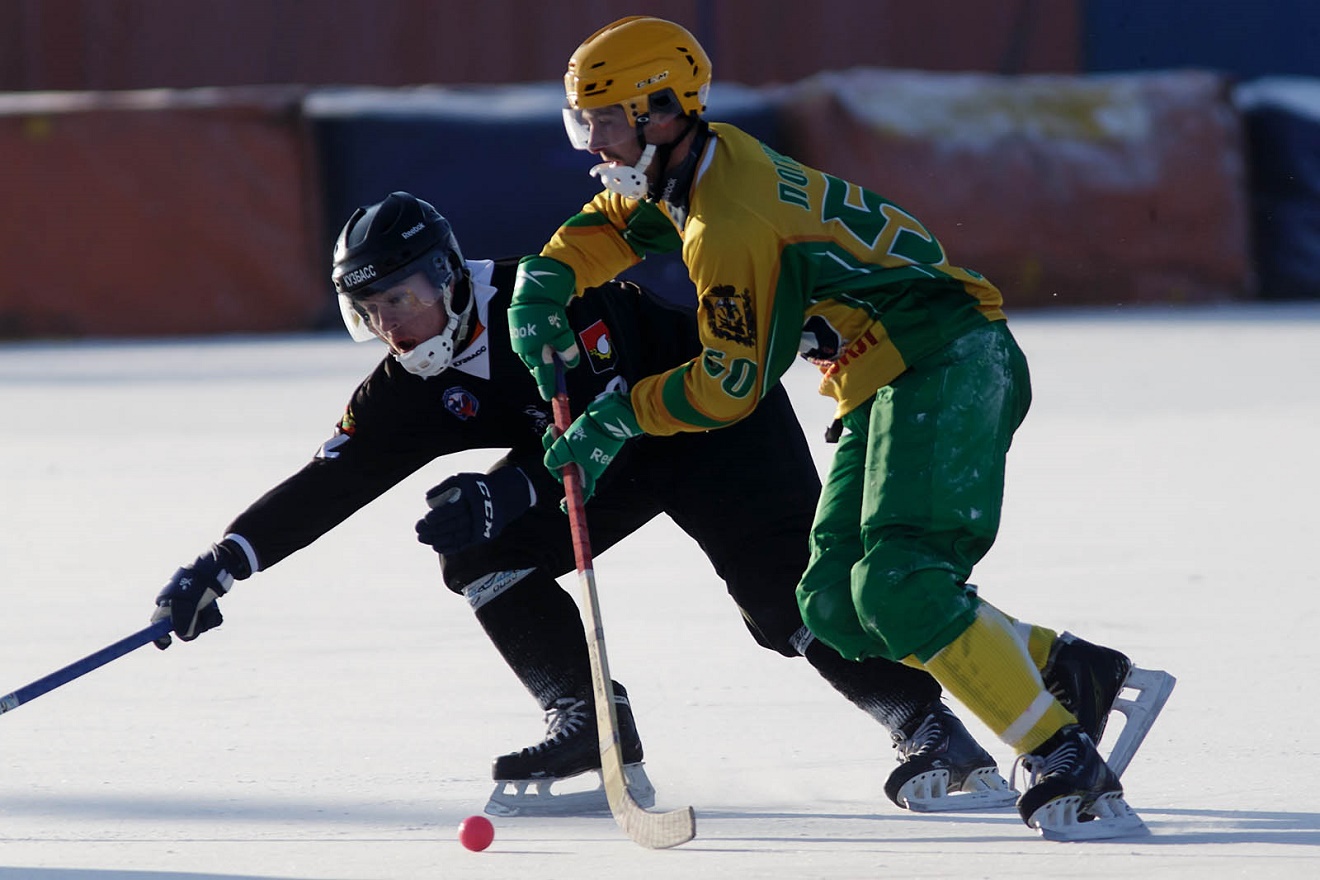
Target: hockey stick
650 829
85 665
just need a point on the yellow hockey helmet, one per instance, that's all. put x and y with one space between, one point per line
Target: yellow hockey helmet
641 63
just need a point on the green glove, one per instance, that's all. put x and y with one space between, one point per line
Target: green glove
538 321
593 440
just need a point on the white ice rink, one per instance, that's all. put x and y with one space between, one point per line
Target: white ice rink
1162 499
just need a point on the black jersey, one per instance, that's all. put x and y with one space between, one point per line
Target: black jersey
396 422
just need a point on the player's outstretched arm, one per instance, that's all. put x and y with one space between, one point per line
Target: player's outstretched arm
188 601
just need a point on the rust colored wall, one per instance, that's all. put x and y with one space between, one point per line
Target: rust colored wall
135 44
1069 191
153 213
203 210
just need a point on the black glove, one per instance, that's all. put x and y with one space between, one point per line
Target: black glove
188 600
468 509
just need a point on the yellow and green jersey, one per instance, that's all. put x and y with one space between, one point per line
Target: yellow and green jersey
786 260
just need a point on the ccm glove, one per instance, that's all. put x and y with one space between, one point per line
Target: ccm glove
188 600
538 320
593 440
469 509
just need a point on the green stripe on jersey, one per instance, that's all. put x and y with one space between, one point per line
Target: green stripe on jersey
674 395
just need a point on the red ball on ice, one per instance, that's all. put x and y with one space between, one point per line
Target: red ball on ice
476 833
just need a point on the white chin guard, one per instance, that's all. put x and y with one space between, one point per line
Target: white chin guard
430 358
631 183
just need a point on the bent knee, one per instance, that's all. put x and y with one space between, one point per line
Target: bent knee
909 609
829 612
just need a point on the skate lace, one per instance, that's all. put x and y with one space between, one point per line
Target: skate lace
1036 767
1061 693
928 735
563 719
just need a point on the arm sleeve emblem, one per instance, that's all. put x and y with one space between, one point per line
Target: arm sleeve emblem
730 315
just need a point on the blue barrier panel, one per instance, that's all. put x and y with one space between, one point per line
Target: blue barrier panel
1282 122
495 161
1242 39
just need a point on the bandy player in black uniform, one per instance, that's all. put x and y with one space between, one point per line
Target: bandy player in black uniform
450 383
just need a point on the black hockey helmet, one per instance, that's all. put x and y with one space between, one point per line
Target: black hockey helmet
384 244
387 241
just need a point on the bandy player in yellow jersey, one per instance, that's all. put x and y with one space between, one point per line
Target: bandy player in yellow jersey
789 261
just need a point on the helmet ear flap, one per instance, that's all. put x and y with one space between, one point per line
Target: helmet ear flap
460 296
461 299
663 101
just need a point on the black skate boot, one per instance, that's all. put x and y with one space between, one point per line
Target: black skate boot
1071 792
524 779
570 746
1089 681
942 768
1086 679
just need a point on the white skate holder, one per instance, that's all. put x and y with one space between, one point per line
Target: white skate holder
571 796
983 790
1139 713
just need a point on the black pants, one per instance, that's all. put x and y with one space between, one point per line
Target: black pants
746 494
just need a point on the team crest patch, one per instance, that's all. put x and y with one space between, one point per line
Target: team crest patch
729 315
461 402
599 347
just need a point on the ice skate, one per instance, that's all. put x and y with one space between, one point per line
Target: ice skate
1089 681
1071 794
941 768
561 775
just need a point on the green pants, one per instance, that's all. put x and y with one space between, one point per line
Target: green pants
913 501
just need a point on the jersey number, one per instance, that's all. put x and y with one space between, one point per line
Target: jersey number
739 375
870 218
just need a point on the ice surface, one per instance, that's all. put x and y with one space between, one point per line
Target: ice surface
340 725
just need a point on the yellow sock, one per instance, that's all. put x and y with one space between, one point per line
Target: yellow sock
1039 638
1039 642
989 670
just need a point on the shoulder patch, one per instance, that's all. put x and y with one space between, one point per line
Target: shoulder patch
330 448
730 314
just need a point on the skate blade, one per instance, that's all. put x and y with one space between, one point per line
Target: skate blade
1153 688
983 789
570 796
1109 817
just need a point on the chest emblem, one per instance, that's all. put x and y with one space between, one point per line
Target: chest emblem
599 347
461 402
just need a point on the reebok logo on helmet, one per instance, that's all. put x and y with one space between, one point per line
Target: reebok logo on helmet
416 229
